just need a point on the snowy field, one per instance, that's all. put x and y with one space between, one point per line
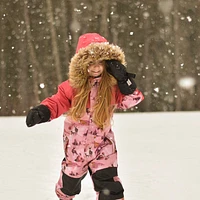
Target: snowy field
159 157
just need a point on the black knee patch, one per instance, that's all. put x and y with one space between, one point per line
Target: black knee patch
106 186
71 186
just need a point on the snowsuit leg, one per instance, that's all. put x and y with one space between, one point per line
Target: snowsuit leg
89 148
107 184
103 170
67 187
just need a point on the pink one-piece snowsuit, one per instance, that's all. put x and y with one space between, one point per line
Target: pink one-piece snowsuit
88 147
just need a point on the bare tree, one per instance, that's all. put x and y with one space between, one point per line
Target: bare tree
104 18
35 66
3 92
74 23
22 74
177 54
55 50
65 31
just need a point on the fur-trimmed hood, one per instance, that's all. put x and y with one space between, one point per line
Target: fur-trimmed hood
91 47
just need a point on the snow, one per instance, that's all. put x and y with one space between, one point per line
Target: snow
156 89
189 18
187 82
158 157
42 85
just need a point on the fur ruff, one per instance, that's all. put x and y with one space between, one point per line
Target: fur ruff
78 74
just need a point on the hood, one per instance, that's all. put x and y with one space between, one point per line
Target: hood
91 47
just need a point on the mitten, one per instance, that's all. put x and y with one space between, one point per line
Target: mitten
38 115
124 79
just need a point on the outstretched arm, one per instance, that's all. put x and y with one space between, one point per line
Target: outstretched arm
51 107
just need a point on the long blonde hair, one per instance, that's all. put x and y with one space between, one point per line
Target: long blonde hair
103 109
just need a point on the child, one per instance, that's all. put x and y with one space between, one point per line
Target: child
98 83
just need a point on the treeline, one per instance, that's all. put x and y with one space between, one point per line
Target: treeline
161 40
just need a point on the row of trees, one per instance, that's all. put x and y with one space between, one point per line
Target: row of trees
161 40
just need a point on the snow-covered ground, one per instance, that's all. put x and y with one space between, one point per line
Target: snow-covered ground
159 157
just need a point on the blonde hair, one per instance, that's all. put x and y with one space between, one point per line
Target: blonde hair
103 109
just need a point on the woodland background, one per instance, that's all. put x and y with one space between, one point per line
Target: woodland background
161 40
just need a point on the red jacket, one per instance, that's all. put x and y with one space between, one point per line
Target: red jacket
60 103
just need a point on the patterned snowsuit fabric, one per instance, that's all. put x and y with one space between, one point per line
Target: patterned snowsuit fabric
87 147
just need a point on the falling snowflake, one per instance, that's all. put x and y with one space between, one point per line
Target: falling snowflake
42 85
187 82
189 18
156 89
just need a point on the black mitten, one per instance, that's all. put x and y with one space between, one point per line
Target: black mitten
124 79
38 115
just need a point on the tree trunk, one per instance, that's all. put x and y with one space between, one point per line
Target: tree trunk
65 31
74 24
34 62
3 94
54 42
104 19
147 68
177 54
22 75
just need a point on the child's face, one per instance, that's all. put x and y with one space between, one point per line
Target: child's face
96 69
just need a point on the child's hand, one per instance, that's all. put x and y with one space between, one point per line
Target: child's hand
116 69
124 79
38 115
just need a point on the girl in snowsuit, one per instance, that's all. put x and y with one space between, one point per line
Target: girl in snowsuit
98 83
